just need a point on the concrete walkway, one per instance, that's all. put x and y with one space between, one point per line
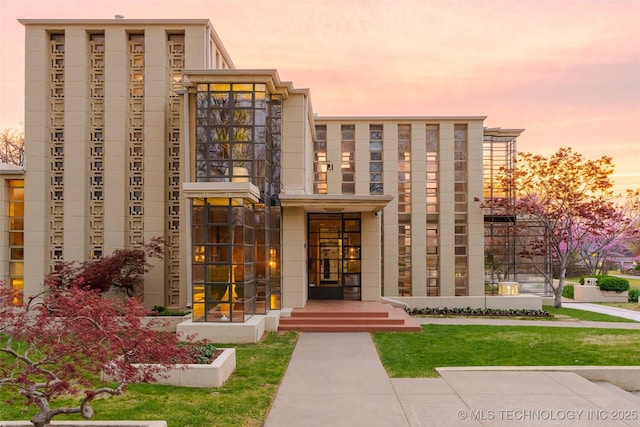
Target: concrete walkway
337 379
604 309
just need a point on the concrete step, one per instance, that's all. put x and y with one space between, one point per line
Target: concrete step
349 328
307 320
348 316
317 314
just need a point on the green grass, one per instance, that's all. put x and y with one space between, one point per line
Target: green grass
417 355
571 313
244 400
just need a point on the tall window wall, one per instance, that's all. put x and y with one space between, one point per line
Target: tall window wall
224 273
432 228
404 210
348 162
375 159
236 244
16 235
461 226
320 162
234 133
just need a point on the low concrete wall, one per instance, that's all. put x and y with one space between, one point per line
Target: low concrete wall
196 375
193 375
516 302
589 293
229 333
625 377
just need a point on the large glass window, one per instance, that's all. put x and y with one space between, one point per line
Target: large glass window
224 268
238 126
236 245
16 236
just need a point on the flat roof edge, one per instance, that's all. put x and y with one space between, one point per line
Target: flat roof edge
40 21
396 118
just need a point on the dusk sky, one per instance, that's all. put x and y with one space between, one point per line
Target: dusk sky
566 71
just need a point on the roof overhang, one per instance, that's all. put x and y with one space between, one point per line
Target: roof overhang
226 190
336 203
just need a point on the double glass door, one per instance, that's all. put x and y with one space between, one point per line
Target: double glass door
334 256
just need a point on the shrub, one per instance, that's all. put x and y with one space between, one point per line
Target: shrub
468 311
160 310
633 295
610 283
567 291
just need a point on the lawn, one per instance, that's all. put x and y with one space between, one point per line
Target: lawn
247 396
243 401
417 355
575 314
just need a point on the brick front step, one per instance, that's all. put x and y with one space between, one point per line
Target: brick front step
316 314
352 316
345 320
350 328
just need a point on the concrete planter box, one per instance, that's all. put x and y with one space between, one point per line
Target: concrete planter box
589 293
193 375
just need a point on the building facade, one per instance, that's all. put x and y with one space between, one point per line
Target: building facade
138 129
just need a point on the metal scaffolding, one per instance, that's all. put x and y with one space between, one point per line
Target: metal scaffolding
515 248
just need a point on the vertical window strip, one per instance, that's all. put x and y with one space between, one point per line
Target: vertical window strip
96 160
432 260
16 236
404 168
348 161
376 168
460 209
136 139
56 144
175 55
404 210
320 161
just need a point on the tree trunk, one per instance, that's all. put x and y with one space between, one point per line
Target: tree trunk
557 292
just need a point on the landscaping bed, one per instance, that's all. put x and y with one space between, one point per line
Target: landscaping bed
479 312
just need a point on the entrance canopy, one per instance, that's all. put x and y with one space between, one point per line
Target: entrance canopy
336 203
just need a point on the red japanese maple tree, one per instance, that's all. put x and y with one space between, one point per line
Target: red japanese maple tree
58 343
122 271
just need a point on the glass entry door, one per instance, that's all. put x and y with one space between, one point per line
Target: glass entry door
334 256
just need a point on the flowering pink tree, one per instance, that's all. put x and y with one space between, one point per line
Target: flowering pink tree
57 344
568 196
619 232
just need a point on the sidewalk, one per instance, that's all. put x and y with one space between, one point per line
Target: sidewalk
337 380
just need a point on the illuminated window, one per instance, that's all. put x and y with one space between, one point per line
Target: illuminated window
320 161
460 185
432 260
348 159
375 159
16 234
